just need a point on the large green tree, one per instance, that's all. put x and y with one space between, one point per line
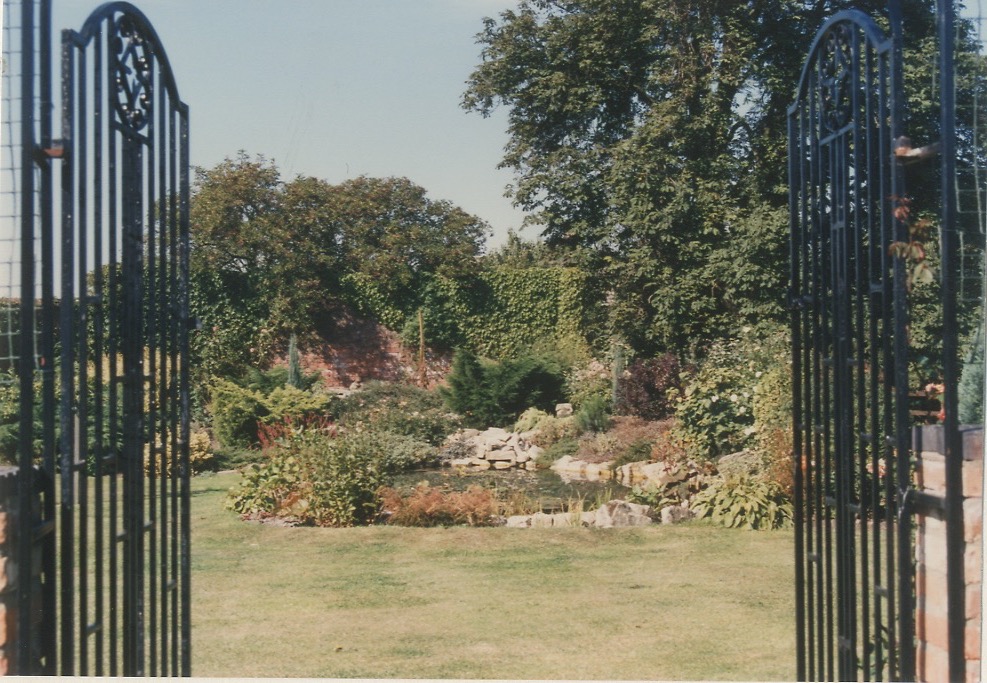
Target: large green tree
272 258
653 133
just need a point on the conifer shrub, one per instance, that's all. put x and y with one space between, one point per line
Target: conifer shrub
593 415
495 394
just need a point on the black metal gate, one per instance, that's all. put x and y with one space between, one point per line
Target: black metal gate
103 371
854 566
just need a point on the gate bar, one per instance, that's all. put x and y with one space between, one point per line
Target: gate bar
955 580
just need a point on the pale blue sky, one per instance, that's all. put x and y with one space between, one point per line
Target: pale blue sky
337 89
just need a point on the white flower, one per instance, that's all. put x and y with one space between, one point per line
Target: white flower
734 398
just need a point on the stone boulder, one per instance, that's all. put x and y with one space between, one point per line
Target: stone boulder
675 514
620 513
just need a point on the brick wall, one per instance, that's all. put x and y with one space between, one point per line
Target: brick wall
931 616
8 574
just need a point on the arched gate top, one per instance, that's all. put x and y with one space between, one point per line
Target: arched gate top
136 43
821 43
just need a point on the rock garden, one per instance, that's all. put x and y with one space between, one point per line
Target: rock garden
394 453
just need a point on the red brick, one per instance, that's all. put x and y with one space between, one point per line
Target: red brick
973 479
931 589
973 519
930 546
971 637
974 598
932 629
932 663
931 473
3 625
973 672
4 521
973 560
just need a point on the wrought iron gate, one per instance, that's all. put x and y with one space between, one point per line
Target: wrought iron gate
103 348
852 436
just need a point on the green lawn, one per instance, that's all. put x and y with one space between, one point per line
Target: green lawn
671 603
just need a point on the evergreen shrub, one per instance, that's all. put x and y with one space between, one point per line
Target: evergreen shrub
495 394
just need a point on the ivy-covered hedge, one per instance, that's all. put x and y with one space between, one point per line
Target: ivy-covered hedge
501 312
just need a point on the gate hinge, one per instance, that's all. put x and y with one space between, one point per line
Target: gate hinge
56 151
905 153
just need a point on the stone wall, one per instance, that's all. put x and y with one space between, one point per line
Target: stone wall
931 614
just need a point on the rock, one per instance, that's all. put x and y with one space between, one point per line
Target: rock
356 386
620 513
663 474
530 465
597 472
460 462
674 514
503 465
541 520
522 458
563 410
566 519
501 454
479 462
496 434
519 521
464 434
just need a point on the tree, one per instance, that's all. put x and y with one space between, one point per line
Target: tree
652 132
274 258
393 234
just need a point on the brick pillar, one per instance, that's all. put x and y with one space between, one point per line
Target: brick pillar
931 614
8 569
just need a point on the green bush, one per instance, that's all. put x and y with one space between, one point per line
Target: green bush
589 379
552 429
530 419
236 411
715 412
295 404
317 478
398 408
745 502
564 446
266 381
593 416
495 394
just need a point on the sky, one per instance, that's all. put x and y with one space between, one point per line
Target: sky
337 89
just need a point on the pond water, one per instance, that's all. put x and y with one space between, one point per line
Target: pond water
544 488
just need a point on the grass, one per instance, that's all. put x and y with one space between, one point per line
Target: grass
691 602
